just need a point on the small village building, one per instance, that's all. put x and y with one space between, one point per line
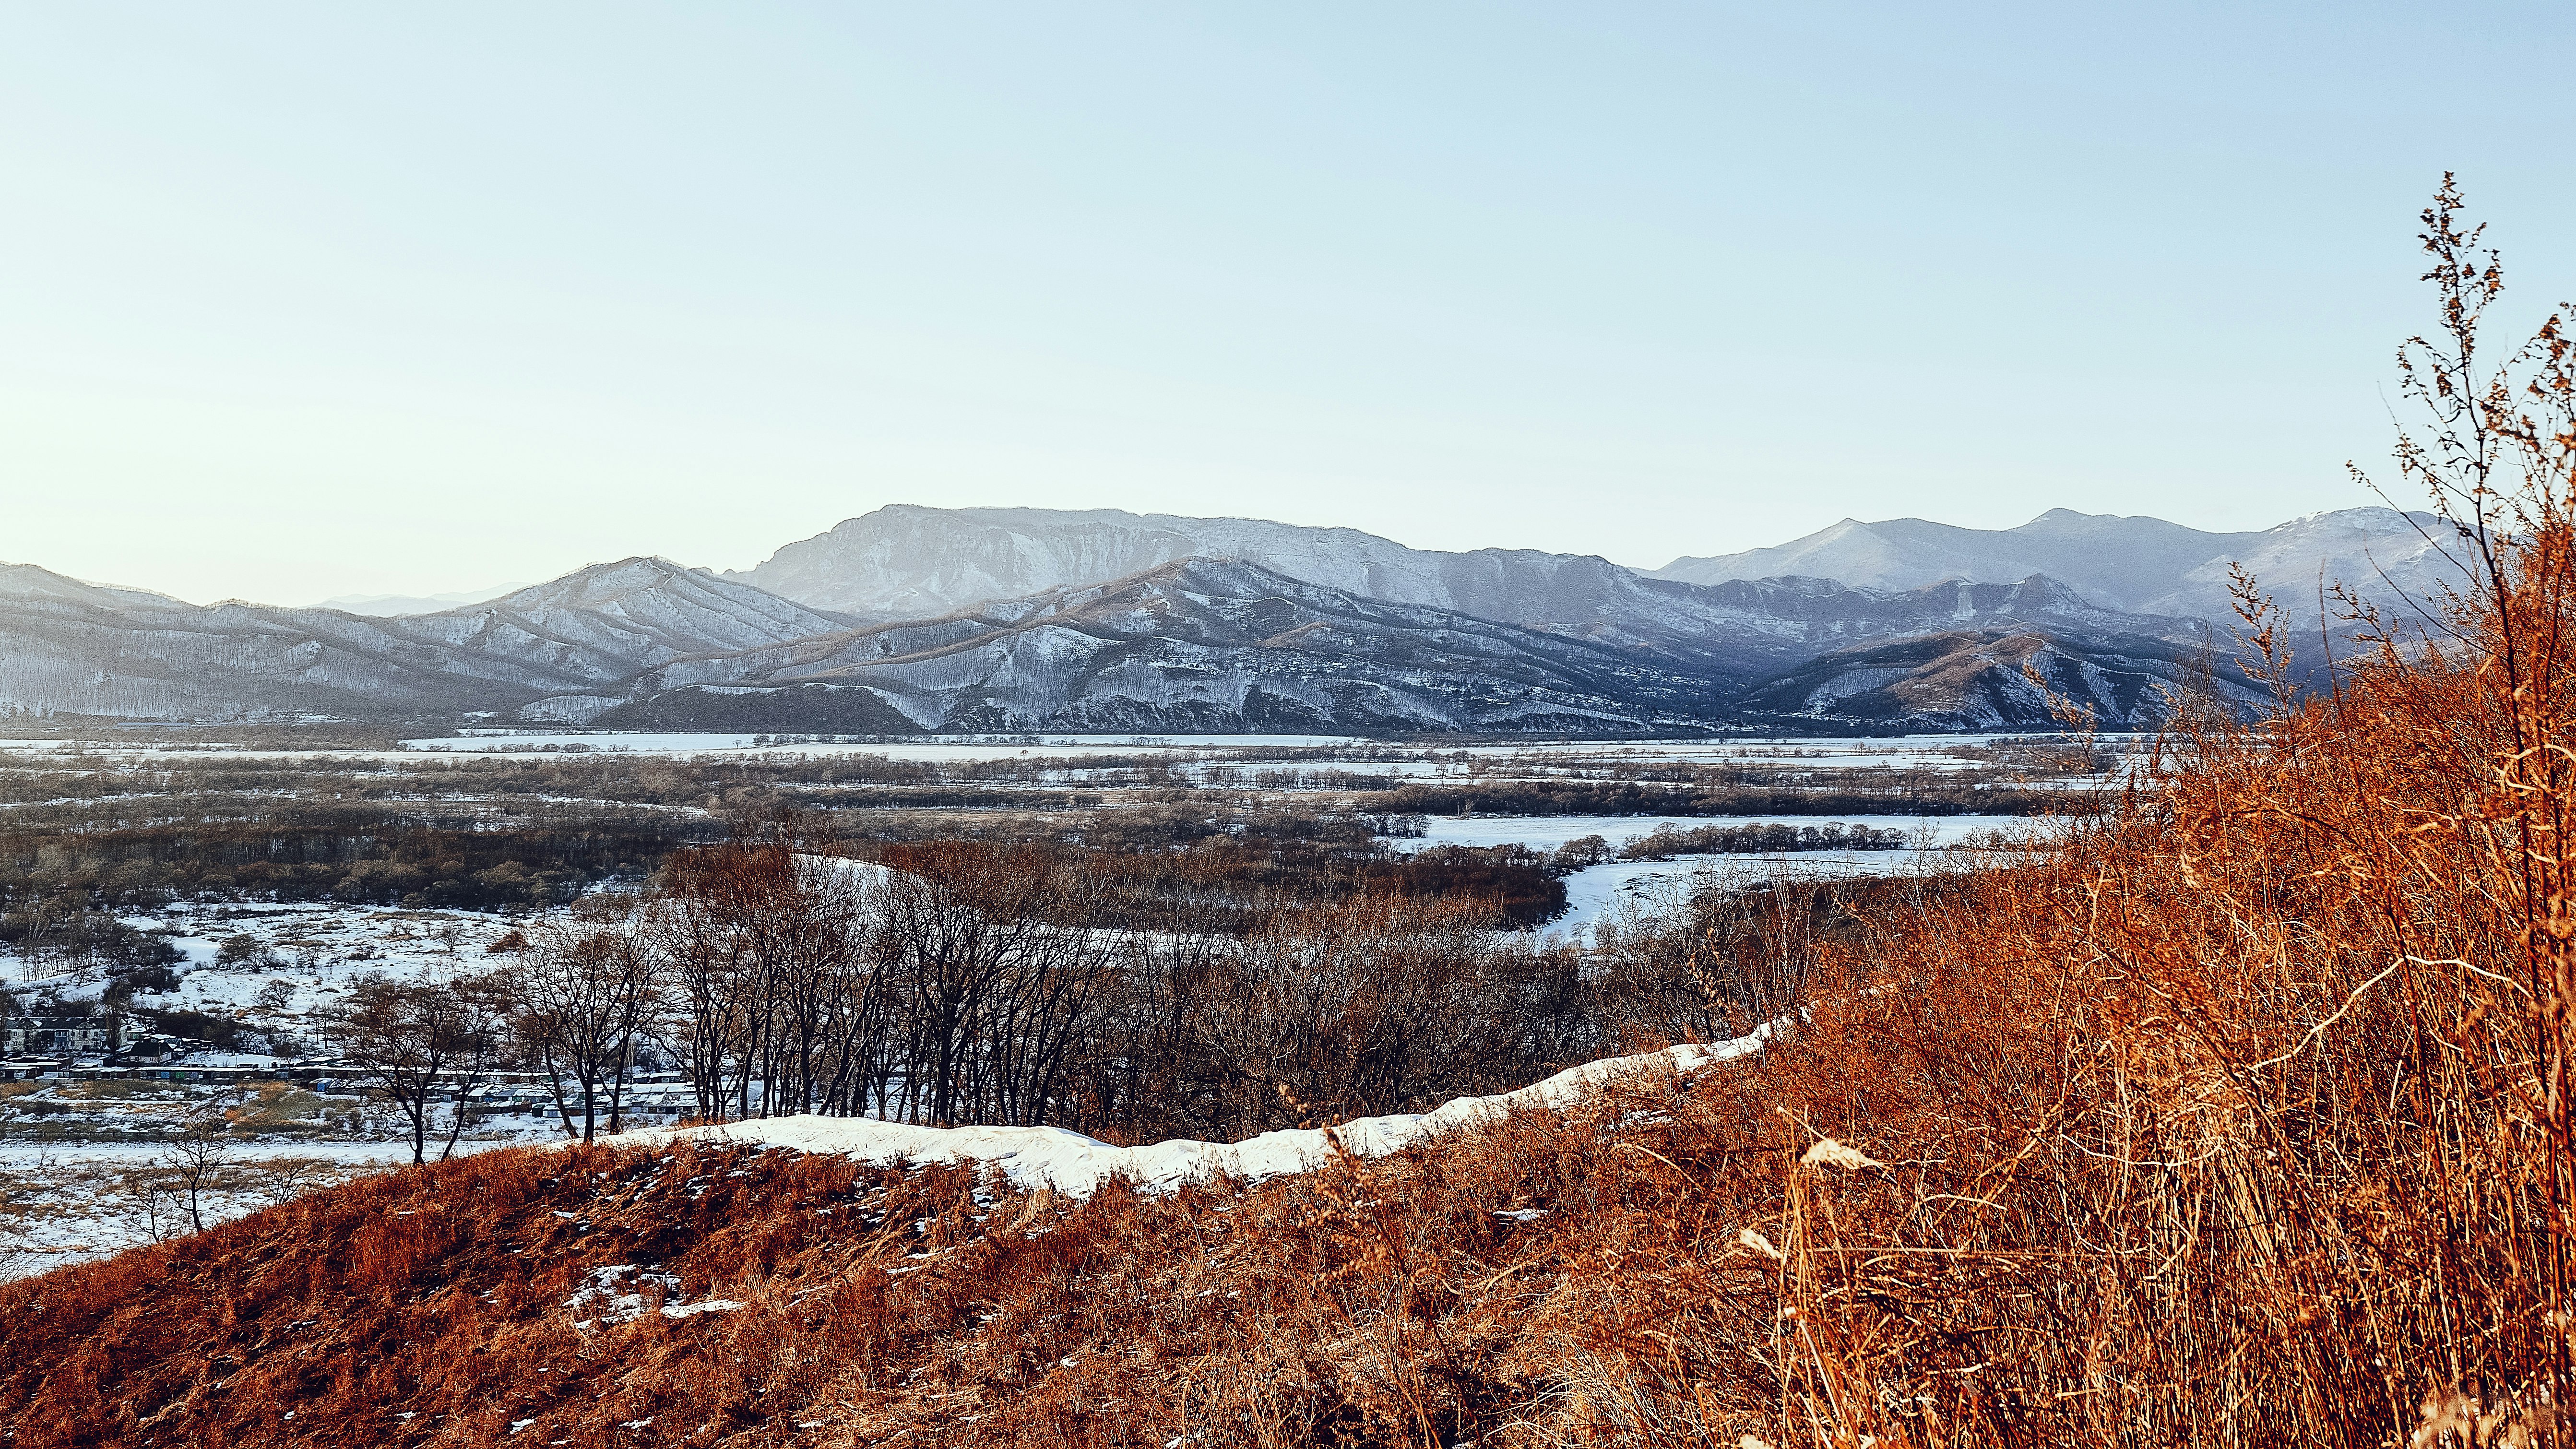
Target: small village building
58 1036
149 1049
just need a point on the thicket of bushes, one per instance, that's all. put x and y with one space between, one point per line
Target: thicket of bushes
1013 985
1904 793
356 855
92 834
1667 841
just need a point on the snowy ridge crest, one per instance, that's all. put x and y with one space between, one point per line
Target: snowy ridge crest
1067 1162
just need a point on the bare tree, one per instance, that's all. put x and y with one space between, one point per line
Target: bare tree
699 927
195 1161
584 993
418 1043
996 978
774 1004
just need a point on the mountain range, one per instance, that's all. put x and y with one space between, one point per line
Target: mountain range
912 619
68 647
2144 565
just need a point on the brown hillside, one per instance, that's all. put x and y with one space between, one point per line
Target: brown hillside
1434 1294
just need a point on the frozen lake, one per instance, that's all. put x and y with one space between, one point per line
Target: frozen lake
1907 751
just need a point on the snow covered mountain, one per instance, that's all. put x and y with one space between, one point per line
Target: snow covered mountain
2145 565
906 561
1224 644
1191 644
1219 624
68 647
909 562
1196 644
617 617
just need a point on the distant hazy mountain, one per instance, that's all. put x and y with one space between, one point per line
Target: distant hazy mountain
72 648
392 606
628 615
912 562
26 581
69 647
906 561
2144 565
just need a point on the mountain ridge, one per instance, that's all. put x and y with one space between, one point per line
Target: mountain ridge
2136 563
68 647
1225 644
1387 638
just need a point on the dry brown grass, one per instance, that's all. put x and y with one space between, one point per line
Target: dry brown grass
1398 1301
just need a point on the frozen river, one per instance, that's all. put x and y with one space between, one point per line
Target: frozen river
1603 892
1596 893
1547 832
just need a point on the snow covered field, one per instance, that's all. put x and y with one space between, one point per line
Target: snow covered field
1626 888
71 1203
1943 752
1211 759
1621 890
294 957
68 1204
78 1160
1937 752
257 978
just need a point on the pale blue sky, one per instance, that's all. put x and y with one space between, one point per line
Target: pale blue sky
306 300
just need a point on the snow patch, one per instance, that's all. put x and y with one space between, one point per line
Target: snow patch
1071 1163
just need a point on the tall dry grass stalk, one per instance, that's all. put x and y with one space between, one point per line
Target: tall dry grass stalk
2245 1116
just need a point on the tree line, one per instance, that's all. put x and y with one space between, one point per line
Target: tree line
974 985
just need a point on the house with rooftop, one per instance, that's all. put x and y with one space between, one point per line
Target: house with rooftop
58 1036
